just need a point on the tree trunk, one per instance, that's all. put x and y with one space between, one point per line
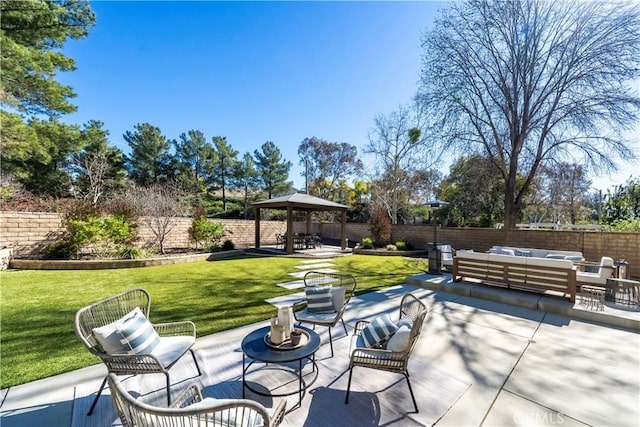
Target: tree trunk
510 206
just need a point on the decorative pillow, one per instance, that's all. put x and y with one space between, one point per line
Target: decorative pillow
405 321
137 334
400 340
378 331
109 338
319 299
338 295
574 258
519 252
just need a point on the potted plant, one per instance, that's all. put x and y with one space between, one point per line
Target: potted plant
296 334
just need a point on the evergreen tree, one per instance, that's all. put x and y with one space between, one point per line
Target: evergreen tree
273 170
226 157
150 160
44 170
245 178
194 159
32 34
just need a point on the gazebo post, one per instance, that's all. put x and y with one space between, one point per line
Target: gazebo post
308 222
289 230
343 220
257 226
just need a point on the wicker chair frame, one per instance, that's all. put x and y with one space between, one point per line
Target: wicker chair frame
386 360
113 308
317 278
185 412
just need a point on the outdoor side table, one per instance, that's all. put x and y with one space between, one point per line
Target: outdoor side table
623 291
255 348
593 297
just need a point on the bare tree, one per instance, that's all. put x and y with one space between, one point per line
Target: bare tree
399 148
94 167
566 189
523 82
162 204
326 165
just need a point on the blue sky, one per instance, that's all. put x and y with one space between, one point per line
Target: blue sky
251 71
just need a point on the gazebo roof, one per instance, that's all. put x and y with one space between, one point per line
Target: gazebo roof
299 201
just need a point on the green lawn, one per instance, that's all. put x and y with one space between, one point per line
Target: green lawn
37 337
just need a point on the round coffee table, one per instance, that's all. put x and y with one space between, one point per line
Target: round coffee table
255 348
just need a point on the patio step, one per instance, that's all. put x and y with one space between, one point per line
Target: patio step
612 314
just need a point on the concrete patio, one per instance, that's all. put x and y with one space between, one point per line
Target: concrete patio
517 365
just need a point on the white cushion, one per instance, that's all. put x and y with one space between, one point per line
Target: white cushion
170 349
109 338
378 331
481 256
138 334
338 295
400 340
324 317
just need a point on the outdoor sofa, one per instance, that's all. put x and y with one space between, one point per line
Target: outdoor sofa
537 253
522 272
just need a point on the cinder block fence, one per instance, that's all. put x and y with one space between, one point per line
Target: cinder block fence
28 233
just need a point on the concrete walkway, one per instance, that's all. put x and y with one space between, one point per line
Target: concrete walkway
524 366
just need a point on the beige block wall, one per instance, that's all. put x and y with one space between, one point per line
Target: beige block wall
29 232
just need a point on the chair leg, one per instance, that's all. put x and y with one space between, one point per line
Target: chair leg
344 326
169 389
346 400
95 401
196 361
330 341
415 405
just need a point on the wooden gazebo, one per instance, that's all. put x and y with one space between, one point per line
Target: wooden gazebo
300 202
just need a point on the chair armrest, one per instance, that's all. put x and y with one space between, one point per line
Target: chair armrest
360 326
175 329
188 397
299 305
278 413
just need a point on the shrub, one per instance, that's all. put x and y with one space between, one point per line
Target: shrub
102 235
404 246
392 248
367 243
206 232
62 249
228 245
130 252
380 226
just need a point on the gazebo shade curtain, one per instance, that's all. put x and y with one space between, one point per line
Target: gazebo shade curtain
299 202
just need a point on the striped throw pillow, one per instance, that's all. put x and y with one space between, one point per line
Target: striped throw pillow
137 334
378 331
319 299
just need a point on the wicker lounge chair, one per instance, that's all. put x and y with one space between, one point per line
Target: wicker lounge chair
175 339
304 313
190 409
384 359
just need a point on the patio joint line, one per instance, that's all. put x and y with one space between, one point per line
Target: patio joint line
513 368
